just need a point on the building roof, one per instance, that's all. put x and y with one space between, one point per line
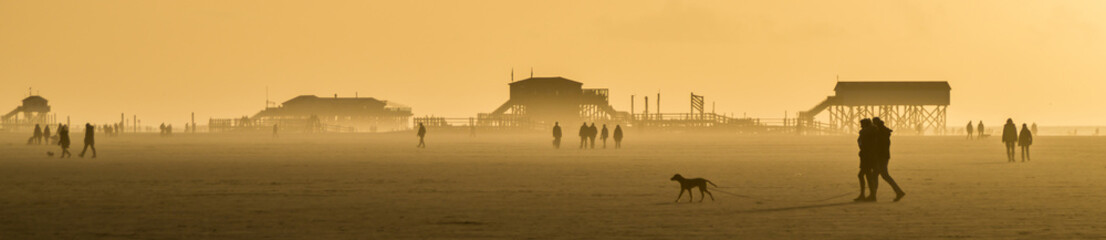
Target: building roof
546 80
34 98
893 85
308 105
313 98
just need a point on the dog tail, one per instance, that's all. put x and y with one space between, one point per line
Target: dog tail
711 183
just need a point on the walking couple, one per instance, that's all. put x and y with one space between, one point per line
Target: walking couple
875 152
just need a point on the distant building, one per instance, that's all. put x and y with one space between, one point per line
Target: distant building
314 114
544 100
906 106
35 110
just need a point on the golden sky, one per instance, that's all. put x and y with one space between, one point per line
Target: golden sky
1036 61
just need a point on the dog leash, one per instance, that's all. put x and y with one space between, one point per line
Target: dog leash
766 199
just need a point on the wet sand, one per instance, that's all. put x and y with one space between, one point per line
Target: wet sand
379 186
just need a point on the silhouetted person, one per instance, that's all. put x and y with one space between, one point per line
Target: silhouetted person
557 135
617 136
969 129
1010 138
1024 140
882 156
63 141
592 133
36 136
276 131
1034 129
864 141
422 136
89 140
604 135
584 136
161 129
46 135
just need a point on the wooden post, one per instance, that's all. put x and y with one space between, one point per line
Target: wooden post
193 122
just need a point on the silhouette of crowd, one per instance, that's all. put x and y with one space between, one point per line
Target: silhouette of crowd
165 130
1011 137
588 134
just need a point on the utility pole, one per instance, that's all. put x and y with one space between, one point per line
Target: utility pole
135 119
658 104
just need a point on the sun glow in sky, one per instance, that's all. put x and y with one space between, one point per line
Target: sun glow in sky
1035 61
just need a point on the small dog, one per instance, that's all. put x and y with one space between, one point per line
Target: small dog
688 184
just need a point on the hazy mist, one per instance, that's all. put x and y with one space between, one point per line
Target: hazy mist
1035 61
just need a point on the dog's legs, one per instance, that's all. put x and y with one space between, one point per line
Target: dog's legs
690 195
704 190
681 195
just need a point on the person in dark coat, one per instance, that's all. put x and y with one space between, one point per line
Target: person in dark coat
89 140
1024 140
63 141
882 156
969 129
1010 138
603 135
46 135
864 142
617 136
422 136
557 135
36 136
592 133
584 136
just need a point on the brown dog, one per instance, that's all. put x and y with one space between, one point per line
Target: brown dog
688 184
